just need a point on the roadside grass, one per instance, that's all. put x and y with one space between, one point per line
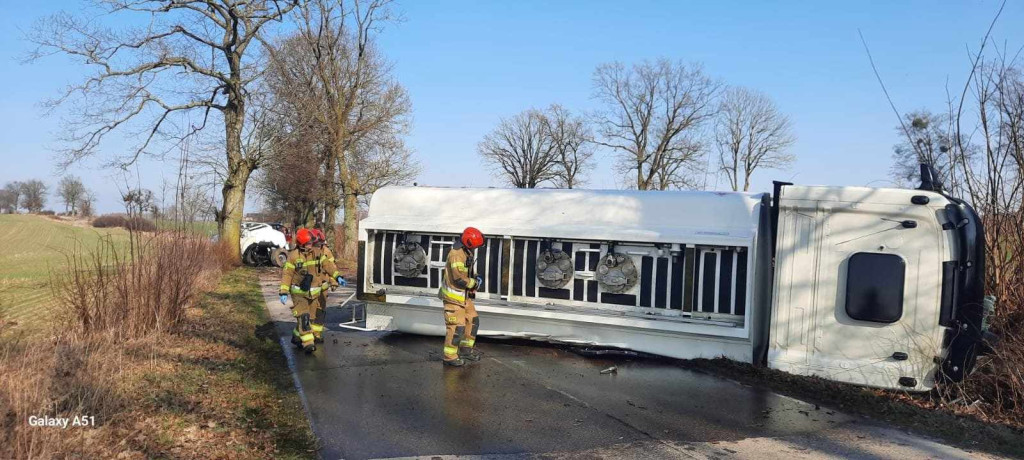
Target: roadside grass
222 387
34 245
219 387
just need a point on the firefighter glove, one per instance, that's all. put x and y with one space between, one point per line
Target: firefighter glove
342 282
284 299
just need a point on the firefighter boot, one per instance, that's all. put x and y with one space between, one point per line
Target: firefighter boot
468 342
457 362
470 354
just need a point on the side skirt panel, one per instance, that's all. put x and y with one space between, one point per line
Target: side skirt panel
495 322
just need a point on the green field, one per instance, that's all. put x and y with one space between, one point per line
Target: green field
207 228
34 245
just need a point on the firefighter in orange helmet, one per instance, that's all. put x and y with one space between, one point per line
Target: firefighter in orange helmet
458 288
307 273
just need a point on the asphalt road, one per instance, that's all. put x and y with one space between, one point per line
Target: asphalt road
386 395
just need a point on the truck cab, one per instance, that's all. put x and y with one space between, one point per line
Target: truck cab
865 285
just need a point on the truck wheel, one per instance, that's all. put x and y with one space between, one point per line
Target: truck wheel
278 257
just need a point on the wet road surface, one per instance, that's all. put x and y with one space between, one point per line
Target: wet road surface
385 395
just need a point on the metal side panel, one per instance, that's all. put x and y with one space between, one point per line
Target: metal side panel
420 315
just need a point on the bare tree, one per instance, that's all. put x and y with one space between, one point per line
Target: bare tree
10 197
987 152
85 204
381 159
138 201
70 190
8 203
33 195
926 138
652 118
292 183
338 81
572 140
750 134
186 56
520 151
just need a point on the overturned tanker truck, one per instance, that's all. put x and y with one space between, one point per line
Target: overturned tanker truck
877 287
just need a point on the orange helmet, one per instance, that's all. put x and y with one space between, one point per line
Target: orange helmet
472 238
303 236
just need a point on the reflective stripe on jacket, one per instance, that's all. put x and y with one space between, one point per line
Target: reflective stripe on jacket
458 277
315 261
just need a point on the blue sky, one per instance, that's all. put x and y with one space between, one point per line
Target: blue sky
467 64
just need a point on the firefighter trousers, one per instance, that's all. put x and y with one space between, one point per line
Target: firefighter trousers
304 311
461 325
320 315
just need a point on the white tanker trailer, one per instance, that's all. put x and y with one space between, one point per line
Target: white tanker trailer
877 287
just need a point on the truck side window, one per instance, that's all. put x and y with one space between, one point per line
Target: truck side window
874 287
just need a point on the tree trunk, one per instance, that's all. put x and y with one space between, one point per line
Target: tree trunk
330 220
350 225
350 204
330 200
229 219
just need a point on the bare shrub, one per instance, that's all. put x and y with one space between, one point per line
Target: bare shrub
995 390
982 152
134 223
140 224
109 221
222 256
127 290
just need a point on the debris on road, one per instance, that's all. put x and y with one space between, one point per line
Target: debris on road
610 370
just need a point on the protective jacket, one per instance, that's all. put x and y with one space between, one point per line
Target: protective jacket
459 276
334 273
306 271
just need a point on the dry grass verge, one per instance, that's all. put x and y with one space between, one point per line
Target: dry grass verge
211 387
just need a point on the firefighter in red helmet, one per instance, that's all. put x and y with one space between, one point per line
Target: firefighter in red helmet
458 288
307 273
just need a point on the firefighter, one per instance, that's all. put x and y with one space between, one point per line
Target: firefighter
458 288
306 274
320 315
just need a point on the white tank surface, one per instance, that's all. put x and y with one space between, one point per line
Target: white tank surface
684 294
725 218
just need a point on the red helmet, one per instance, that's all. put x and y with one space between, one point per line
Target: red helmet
472 238
303 236
318 235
